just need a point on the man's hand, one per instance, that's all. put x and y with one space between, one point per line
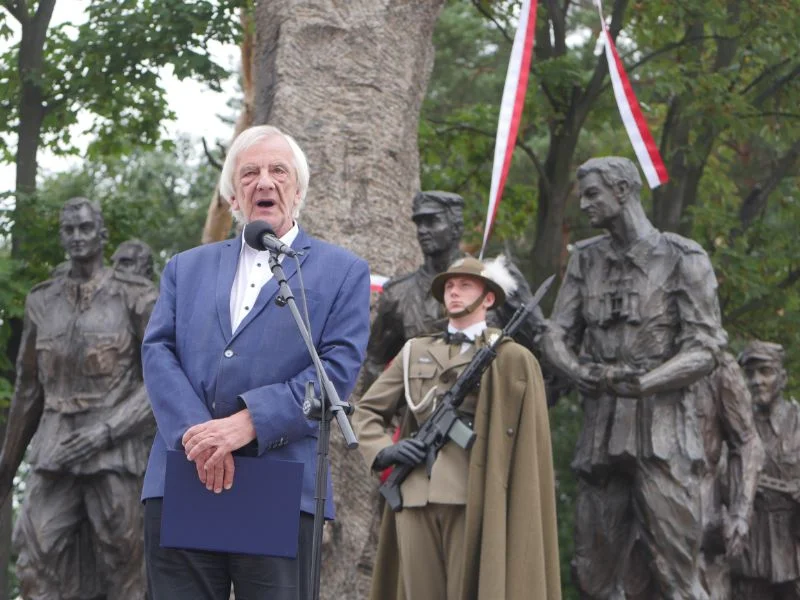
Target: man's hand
409 451
222 436
216 478
81 445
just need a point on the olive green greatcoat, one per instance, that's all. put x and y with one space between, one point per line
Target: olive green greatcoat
511 543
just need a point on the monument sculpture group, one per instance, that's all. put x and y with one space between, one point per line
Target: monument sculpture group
688 460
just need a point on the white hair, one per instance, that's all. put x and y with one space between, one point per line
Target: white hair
496 270
248 138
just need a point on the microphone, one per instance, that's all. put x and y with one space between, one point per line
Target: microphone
260 236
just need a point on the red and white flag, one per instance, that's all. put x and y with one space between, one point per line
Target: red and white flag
376 283
643 144
511 110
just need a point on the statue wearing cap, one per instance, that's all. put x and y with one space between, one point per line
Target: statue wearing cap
483 525
770 564
407 309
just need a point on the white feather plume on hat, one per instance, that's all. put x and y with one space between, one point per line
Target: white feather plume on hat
496 270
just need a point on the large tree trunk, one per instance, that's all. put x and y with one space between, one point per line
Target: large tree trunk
347 80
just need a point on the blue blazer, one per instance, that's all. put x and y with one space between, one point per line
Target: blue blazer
196 369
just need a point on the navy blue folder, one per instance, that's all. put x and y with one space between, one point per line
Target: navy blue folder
260 514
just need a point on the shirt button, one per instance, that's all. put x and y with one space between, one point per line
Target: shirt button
510 432
228 353
252 285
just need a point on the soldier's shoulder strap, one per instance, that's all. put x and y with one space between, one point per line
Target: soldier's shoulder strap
43 285
682 244
592 241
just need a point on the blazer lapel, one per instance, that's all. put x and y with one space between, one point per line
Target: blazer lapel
226 271
270 289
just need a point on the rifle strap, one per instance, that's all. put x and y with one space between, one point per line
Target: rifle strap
429 397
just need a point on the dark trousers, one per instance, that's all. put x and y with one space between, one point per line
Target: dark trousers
174 574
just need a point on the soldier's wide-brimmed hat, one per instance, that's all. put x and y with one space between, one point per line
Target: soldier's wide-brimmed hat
432 202
762 351
469 267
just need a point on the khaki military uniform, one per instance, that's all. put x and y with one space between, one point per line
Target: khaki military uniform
79 360
442 536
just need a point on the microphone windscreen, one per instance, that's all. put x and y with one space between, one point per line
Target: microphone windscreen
254 234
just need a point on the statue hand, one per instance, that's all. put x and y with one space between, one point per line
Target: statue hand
82 444
591 379
624 381
736 530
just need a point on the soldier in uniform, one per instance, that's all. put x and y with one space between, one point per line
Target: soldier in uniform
484 525
134 257
635 324
79 389
406 308
769 568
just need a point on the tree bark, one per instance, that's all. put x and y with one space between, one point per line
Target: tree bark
347 80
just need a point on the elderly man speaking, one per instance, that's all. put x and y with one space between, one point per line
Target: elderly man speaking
226 368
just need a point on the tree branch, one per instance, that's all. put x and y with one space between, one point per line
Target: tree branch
792 278
778 84
18 9
212 161
536 162
756 201
490 16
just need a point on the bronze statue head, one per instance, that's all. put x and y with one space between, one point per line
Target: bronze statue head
82 229
439 217
764 371
134 256
606 184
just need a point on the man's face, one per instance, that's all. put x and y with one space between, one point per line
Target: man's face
435 233
764 378
461 291
598 201
266 184
80 234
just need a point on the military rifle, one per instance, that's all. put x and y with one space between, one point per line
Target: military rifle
445 423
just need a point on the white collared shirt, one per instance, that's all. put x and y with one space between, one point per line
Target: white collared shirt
472 332
251 274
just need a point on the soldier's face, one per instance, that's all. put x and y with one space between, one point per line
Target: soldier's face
765 381
435 234
81 235
598 201
461 292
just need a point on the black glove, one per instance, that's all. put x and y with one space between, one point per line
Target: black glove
409 451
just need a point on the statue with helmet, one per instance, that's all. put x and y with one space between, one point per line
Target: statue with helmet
479 522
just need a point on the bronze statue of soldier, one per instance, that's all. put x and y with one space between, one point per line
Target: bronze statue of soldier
635 324
407 309
79 400
135 257
769 567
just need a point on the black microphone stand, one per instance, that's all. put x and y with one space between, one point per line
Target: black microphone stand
321 409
